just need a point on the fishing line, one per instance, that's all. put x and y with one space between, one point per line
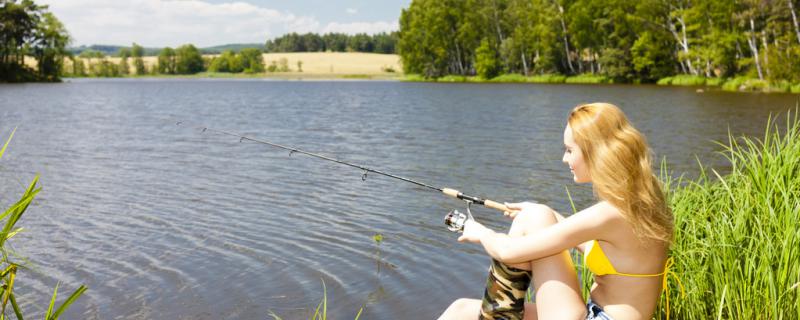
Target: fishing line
448 191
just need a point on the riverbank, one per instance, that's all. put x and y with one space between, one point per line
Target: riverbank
739 84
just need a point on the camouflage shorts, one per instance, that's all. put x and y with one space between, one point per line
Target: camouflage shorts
504 297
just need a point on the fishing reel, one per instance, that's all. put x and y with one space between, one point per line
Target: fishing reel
455 220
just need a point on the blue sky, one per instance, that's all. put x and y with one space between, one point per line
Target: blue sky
156 23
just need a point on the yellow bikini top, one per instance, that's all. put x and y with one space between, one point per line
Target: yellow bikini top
596 260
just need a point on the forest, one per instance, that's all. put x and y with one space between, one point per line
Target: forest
619 40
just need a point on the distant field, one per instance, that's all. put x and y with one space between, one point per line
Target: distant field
316 64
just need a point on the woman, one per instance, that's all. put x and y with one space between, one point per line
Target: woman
624 237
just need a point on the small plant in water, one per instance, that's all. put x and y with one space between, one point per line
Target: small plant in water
378 238
321 312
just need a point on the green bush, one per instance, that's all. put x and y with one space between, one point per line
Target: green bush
716 82
795 88
737 240
688 80
664 81
734 84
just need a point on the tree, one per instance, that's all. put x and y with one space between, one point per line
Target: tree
188 60
486 64
252 61
29 29
167 61
137 52
124 54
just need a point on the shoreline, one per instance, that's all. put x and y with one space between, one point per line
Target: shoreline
399 77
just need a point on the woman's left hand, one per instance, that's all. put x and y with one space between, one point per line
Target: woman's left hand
473 231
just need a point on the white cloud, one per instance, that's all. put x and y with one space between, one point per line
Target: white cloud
172 23
361 27
155 23
351 10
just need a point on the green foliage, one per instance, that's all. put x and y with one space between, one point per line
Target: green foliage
188 60
737 243
753 84
9 268
688 80
486 64
167 63
252 61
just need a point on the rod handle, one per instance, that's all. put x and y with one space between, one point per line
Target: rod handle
495 205
486 203
451 192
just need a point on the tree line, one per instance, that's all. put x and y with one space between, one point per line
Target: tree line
28 29
184 60
627 41
336 42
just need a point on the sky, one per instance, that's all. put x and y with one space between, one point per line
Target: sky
205 23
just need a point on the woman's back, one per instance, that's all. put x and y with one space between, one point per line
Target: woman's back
625 296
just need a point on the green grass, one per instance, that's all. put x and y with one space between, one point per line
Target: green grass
737 244
588 78
510 77
756 85
547 78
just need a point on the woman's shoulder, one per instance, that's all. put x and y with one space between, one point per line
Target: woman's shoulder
607 211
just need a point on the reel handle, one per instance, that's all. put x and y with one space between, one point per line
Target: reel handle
485 202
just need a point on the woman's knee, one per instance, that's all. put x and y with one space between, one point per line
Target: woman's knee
532 218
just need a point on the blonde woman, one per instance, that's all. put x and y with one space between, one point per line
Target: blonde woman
624 236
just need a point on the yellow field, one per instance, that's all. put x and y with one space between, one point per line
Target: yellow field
314 64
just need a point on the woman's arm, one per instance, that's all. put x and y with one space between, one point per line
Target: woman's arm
583 226
516 208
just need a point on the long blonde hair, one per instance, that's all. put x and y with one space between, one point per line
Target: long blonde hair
619 163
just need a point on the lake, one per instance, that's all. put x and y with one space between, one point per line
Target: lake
169 222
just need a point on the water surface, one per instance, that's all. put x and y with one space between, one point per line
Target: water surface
168 222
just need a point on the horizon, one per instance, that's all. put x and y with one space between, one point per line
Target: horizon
211 23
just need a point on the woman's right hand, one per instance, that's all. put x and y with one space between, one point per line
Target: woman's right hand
516 208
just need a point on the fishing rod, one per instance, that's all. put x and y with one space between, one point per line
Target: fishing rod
454 219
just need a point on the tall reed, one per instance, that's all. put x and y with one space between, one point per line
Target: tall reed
737 243
9 267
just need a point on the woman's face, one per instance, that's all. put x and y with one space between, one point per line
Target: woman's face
573 157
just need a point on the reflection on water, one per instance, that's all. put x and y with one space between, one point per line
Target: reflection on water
165 222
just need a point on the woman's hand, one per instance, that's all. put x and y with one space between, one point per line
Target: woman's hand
515 208
473 232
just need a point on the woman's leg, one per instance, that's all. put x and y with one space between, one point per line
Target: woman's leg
462 309
558 295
